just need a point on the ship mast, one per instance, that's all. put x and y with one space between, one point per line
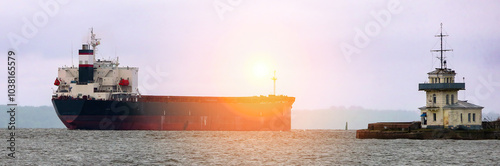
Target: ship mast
274 79
441 58
94 41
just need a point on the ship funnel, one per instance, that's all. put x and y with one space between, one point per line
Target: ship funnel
86 63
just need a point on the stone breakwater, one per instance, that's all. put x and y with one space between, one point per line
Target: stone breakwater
429 134
412 130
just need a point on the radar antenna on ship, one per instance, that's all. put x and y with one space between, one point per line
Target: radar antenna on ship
441 58
94 41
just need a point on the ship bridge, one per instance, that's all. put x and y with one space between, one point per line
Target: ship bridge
93 79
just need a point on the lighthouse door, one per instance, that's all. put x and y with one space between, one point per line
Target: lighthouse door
424 118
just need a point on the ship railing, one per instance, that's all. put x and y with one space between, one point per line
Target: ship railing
135 98
255 99
124 97
69 97
84 83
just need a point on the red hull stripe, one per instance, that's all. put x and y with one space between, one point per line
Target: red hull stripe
86 65
136 122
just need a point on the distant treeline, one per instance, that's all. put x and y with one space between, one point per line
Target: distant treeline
357 117
331 118
31 117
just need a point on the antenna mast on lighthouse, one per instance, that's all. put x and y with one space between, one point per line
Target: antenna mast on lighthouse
441 58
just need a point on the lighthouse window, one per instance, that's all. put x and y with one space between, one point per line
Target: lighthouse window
80 62
434 116
447 99
452 99
434 98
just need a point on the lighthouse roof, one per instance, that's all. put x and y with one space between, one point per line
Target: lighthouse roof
442 71
463 105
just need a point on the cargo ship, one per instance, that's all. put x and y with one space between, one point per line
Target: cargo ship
101 95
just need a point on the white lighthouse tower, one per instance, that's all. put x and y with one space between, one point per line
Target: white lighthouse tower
442 108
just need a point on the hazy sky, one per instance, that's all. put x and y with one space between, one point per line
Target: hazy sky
326 53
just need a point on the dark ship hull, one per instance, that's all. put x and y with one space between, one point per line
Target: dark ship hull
177 113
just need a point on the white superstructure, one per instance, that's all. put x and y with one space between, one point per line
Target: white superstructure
96 79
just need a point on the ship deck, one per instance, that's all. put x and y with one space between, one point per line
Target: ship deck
209 99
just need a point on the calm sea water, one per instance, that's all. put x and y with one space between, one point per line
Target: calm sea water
298 147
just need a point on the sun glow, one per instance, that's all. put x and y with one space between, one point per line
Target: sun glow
261 70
